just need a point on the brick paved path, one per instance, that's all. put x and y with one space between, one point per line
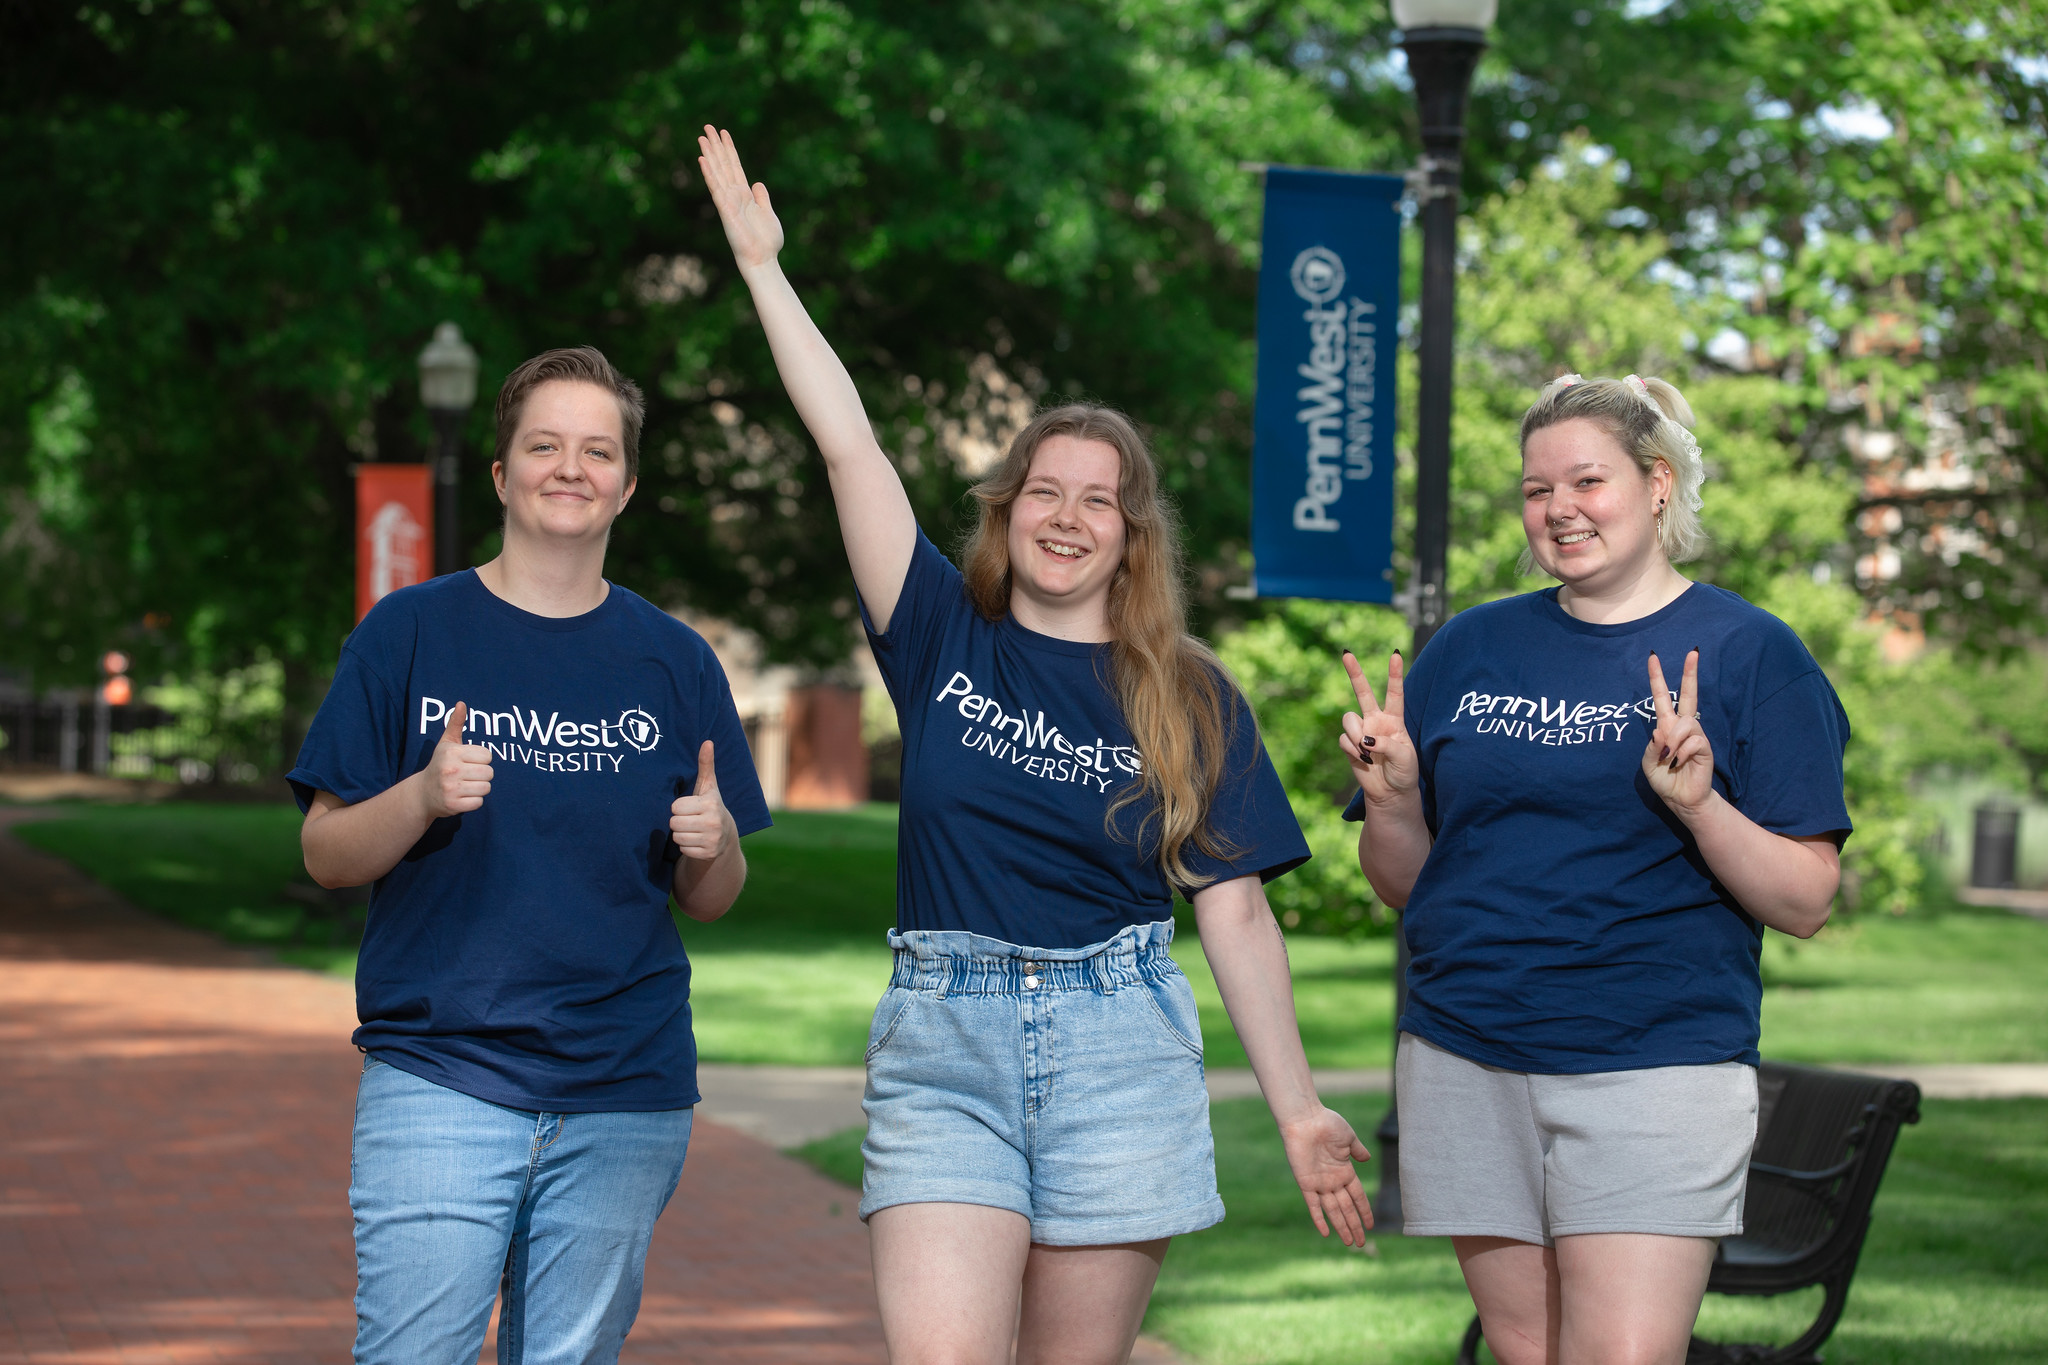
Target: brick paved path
174 1120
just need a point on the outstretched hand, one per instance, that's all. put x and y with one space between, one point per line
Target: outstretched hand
1375 738
750 224
1320 1149
699 822
1679 760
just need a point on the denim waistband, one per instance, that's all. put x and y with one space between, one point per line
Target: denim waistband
955 962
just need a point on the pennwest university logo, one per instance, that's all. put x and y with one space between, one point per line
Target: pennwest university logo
553 743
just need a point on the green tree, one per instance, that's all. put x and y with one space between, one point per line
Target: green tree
213 312
1858 192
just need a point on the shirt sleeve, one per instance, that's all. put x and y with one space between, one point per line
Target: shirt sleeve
355 747
1251 817
739 784
1791 768
932 591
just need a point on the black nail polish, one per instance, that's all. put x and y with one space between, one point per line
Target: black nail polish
1370 741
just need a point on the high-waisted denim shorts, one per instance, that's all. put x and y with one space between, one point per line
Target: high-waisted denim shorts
1062 1084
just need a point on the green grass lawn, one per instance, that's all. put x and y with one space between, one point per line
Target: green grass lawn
218 867
1952 1273
792 973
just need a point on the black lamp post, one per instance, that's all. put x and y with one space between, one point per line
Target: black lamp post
1443 40
447 390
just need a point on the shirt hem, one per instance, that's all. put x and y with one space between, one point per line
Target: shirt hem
1510 1061
510 1098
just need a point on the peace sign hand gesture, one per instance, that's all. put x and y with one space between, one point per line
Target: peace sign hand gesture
750 224
1679 761
1375 739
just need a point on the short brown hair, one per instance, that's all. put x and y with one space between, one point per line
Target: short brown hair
581 364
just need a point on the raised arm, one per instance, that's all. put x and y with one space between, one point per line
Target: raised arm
874 511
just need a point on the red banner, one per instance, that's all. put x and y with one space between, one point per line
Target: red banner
394 530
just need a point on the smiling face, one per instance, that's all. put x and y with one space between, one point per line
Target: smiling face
1588 509
564 474
1066 537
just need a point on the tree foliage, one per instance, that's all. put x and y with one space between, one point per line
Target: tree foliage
243 217
216 311
1545 291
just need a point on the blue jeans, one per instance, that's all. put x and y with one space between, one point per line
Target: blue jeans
456 1198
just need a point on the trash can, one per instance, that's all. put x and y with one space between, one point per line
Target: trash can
1995 846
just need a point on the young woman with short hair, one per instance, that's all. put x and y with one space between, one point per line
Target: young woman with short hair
527 762
1037 1120
1587 867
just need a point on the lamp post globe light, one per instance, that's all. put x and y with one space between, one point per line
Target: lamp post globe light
448 367
1443 40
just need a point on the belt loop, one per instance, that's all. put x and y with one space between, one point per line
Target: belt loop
1105 980
942 975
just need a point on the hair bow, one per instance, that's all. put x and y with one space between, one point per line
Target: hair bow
1689 479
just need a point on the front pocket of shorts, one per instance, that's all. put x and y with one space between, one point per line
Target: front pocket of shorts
1173 1004
889 1013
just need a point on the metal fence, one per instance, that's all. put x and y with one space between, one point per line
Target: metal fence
73 731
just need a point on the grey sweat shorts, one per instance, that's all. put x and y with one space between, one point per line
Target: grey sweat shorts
1493 1153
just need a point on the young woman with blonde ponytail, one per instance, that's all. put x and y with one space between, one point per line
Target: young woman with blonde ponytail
1586 865
1037 1121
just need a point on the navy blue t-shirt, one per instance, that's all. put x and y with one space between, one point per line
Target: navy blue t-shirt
523 952
1564 921
1014 746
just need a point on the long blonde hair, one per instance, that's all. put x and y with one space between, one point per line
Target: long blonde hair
1170 685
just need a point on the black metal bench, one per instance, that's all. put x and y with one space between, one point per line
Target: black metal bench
1823 1138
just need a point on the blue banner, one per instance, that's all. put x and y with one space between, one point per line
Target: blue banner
1323 420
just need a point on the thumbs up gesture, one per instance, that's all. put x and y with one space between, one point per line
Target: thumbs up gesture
699 822
458 776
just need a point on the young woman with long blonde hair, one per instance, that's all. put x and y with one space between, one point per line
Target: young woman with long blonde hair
1037 1120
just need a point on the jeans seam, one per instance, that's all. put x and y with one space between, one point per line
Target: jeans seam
541 1148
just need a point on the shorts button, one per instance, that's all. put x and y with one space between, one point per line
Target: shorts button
1031 981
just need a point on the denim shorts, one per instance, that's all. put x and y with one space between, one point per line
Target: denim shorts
1062 1084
